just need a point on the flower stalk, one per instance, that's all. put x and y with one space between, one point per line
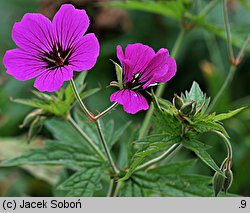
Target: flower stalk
113 106
228 32
234 61
227 143
242 51
78 97
208 8
86 138
105 146
93 118
224 86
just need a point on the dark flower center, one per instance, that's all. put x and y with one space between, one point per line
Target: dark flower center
135 84
57 57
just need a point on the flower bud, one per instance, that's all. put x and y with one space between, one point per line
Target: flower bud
31 117
218 183
177 102
36 126
228 180
187 108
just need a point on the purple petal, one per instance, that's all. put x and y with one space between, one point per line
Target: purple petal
23 65
85 53
132 101
52 80
138 55
170 73
120 54
160 69
69 25
33 33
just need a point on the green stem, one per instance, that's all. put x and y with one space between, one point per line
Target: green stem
242 50
78 97
208 8
106 111
164 155
160 89
118 188
105 146
92 118
228 31
111 187
87 139
226 83
227 143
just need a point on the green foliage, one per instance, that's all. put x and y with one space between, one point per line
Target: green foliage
180 10
132 189
172 9
55 153
59 150
171 126
200 150
70 151
165 122
206 123
178 168
246 4
60 103
145 154
224 116
164 180
111 134
83 183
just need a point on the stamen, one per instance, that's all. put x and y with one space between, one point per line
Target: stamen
49 59
65 58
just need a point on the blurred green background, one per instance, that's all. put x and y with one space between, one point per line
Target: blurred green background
202 57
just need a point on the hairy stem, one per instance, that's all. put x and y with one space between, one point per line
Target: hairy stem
208 7
114 105
242 50
92 118
105 146
164 155
160 89
228 31
227 143
78 97
111 187
118 188
87 139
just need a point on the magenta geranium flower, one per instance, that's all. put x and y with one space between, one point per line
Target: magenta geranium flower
51 51
141 68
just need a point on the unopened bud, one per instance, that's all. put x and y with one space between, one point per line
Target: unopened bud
31 117
177 102
228 180
187 108
218 183
36 126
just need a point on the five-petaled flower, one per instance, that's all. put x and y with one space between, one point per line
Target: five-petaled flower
141 68
51 51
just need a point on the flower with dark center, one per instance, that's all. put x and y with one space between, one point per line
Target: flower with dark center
51 51
141 68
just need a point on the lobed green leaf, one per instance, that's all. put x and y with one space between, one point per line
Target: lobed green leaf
83 183
230 114
200 150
